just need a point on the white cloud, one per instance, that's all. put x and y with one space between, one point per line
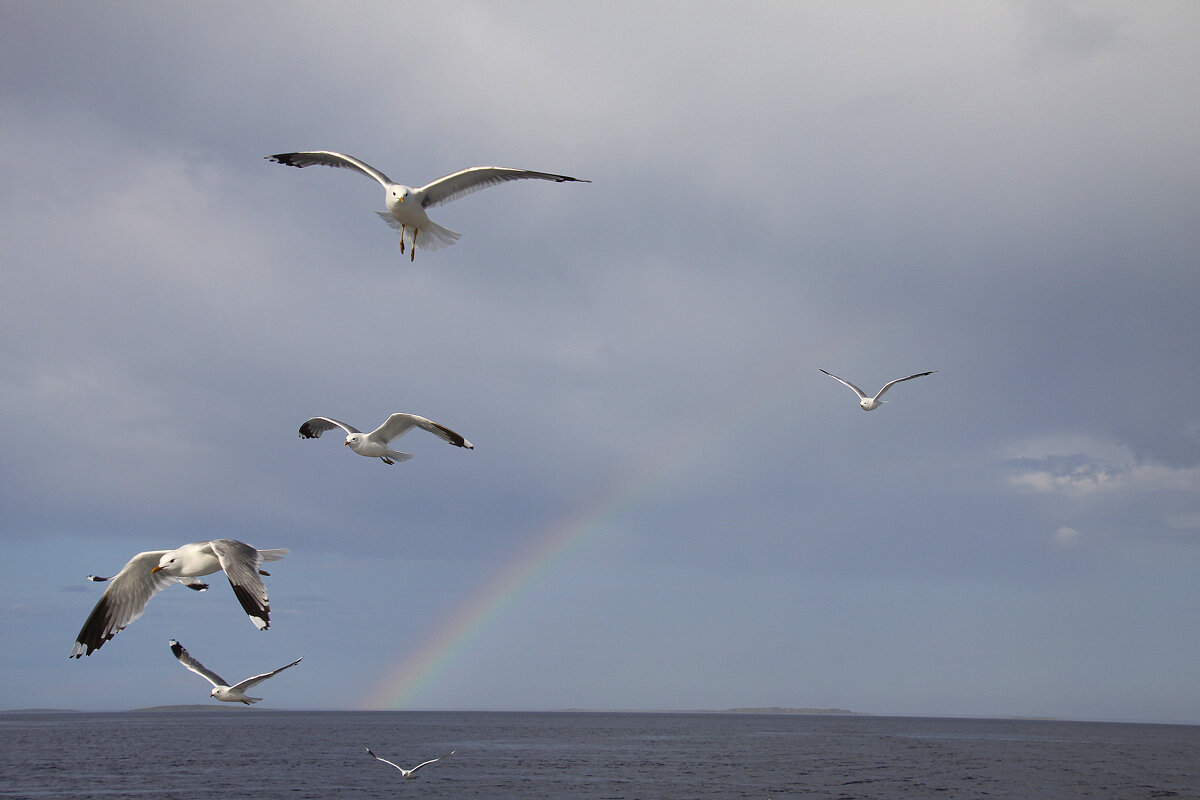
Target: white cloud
1067 537
1080 465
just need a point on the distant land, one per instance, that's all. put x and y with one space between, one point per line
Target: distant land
779 710
218 707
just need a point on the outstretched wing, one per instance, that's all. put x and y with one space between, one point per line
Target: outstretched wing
314 427
123 601
472 179
861 394
195 666
240 562
397 425
257 679
371 753
890 384
430 761
330 159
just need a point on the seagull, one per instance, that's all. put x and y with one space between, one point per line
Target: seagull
150 572
222 690
375 443
406 205
408 773
872 403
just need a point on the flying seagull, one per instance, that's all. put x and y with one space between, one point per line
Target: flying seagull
150 572
872 403
407 773
221 689
406 205
375 443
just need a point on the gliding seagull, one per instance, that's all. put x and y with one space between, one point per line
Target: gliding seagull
221 689
150 572
375 443
872 403
407 773
406 205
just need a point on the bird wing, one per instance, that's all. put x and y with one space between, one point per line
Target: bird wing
861 394
123 601
240 562
430 761
371 753
257 679
890 384
314 427
330 159
472 179
195 666
398 424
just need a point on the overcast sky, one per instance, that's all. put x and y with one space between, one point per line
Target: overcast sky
668 505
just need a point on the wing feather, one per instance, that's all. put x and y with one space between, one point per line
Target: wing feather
240 562
861 394
329 158
123 601
257 679
399 424
890 384
195 666
472 179
371 753
314 427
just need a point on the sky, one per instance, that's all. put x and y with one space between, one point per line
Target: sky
668 506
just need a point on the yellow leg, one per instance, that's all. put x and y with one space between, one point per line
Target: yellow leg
412 255
401 238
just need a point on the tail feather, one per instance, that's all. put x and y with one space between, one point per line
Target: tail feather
273 555
431 236
396 455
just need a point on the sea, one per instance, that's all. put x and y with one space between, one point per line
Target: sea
260 753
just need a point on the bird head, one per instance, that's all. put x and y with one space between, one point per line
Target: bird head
353 438
166 562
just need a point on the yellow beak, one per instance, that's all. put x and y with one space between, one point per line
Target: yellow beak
156 569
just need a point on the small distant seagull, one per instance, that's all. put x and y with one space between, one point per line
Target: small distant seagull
375 443
408 773
406 206
150 572
872 403
221 688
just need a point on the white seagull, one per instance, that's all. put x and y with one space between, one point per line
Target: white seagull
375 443
406 205
221 689
408 773
872 403
150 572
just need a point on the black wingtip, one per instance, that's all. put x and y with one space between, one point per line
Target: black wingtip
283 158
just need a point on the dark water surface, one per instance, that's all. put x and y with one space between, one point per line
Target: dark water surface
252 753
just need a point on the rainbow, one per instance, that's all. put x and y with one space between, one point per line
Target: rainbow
402 684
562 538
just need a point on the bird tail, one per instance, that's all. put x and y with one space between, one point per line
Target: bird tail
431 236
249 700
396 455
273 555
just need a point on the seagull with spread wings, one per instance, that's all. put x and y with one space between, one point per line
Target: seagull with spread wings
150 572
872 403
375 443
221 688
406 205
407 773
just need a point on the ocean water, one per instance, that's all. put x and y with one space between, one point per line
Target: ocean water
257 753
